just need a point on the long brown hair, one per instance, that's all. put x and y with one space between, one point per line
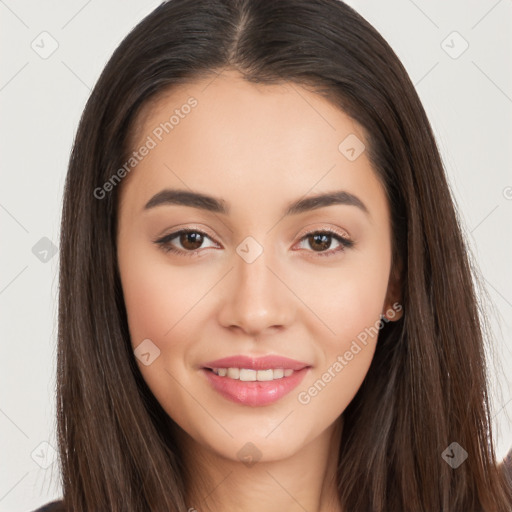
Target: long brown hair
426 386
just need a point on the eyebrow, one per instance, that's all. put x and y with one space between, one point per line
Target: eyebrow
212 204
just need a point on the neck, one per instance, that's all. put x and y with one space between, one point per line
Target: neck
307 480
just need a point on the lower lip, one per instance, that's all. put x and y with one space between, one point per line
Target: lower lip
255 393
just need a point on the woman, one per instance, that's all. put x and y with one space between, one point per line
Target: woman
265 298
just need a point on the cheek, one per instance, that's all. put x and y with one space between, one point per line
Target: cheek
346 299
354 316
163 304
158 298
331 388
160 306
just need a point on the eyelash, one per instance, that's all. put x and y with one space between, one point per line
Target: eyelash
167 247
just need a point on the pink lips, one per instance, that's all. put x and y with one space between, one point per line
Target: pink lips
255 393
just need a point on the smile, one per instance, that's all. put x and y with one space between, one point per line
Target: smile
249 375
254 388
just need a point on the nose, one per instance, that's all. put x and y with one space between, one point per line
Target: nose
256 298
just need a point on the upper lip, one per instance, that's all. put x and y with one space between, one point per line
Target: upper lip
256 363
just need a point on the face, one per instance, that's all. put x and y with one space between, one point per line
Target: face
263 269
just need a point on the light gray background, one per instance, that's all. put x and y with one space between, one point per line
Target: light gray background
468 100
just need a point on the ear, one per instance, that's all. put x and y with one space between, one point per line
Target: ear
393 308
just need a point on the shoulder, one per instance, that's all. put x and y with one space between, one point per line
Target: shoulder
54 506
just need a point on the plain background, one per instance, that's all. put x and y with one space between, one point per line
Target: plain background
467 96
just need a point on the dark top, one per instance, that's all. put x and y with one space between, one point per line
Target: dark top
54 506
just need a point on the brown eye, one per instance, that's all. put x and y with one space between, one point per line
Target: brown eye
320 242
187 242
191 240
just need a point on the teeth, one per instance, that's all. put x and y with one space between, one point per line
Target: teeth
234 373
248 375
279 373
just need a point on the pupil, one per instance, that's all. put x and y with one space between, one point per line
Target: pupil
320 240
191 241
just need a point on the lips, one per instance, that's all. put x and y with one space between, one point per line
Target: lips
256 363
238 378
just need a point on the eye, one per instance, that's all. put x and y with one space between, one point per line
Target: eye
190 241
320 241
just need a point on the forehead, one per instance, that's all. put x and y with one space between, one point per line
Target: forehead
223 134
270 114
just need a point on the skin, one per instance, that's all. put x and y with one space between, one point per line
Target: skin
259 148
